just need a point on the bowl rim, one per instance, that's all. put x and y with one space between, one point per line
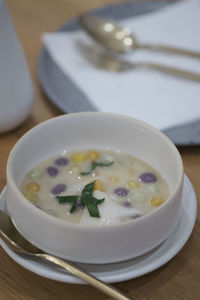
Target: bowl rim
86 227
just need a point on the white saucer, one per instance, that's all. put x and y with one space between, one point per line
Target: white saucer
125 270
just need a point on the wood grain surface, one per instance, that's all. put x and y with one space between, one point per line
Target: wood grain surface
179 278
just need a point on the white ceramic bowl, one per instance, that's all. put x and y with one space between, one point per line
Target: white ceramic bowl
104 131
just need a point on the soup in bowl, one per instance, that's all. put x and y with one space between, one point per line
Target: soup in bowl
94 187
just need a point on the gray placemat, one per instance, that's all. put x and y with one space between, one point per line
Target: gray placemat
66 95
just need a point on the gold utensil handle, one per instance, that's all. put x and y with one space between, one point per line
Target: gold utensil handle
171 50
105 288
171 70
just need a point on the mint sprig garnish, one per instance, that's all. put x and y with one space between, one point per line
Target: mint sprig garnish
95 164
86 199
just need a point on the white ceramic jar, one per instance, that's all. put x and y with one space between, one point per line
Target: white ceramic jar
16 90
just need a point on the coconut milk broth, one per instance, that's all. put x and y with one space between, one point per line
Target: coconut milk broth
123 183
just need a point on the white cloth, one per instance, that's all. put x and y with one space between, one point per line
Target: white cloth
161 100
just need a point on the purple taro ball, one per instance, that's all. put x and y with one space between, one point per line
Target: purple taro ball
121 191
52 171
61 161
59 188
148 177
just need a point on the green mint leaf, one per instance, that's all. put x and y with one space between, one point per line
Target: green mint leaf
73 207
88 189
91 202
91 206
67 199
95 164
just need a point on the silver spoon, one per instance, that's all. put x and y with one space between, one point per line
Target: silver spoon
116 38
16 241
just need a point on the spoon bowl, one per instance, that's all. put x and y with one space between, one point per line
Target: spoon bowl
108 33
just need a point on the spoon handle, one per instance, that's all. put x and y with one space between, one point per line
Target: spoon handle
105 288
171 50
170 70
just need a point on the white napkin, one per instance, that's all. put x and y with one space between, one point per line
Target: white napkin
162 100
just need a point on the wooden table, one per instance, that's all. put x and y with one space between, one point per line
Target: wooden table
178 279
